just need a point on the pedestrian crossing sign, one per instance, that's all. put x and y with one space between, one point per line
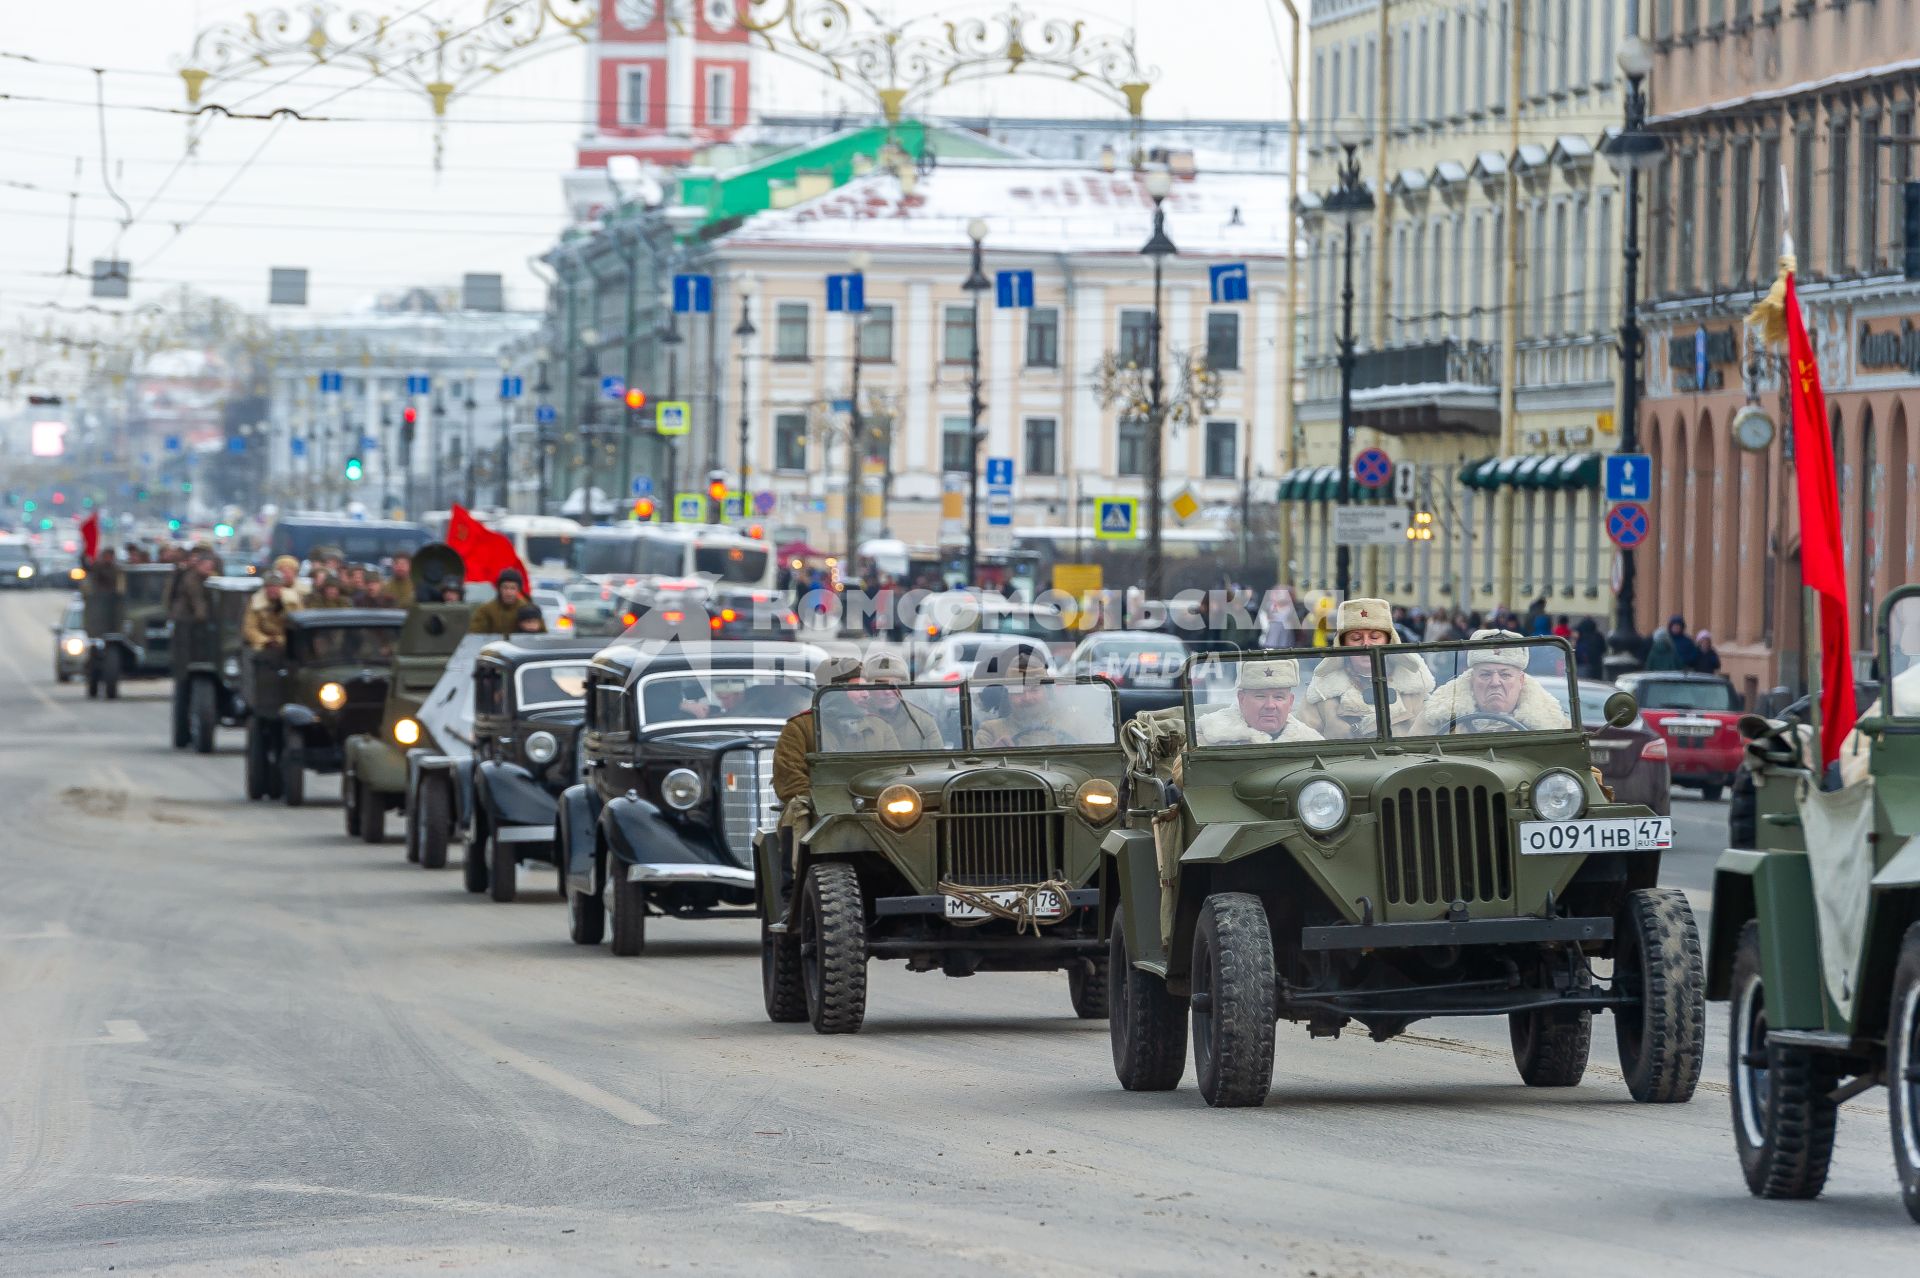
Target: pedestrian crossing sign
672 417
1116 518
689 508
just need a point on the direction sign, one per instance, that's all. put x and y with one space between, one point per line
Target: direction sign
512 387
419 384
1372 468
1000 509
847 292
692 294
689 508
1013 290
1627 524
642 486
1116 518
1405 479
173 443
1229 281
672 417
1369 525
612 387
298 446
546 414
331 381
1629 477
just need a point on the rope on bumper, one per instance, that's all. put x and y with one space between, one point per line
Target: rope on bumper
1023 911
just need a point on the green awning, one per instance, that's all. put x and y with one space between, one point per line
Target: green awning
1533 470
1582 470
1479 474
1554 471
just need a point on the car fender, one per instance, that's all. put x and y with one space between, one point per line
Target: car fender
638 832
376 763
1220 843
1137 871
509 795
575 822
295 715
423 764
1776 888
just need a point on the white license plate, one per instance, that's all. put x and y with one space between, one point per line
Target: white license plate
1619 834
1045 905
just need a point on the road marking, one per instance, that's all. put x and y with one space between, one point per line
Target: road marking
561 1081
118 1033
215 1184
54 931
955 1245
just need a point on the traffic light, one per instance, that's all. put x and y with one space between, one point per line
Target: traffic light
59 498
173 525
643 509
636 399
716 491
354 470
30 506
46 525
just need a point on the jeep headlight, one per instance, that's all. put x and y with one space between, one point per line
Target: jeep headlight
1559 796
1323 805
24 571
541 747
1097 799
900 806
681 788
333 696
407 732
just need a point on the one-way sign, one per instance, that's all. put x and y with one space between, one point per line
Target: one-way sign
1629 477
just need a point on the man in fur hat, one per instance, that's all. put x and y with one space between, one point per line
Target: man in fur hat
1496 683
1339 698
1262 712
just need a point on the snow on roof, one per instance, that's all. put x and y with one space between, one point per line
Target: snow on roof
1449 173
1490 163
1033 208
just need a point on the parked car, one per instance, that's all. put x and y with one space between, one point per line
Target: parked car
1143 664
952 612
1632 760
951 659
70 641
1698 715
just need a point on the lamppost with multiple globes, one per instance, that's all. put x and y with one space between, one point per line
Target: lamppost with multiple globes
1158 248
975 284
1348 204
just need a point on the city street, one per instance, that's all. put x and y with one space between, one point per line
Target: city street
236 1042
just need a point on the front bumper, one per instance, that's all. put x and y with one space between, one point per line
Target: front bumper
688 872
1389 936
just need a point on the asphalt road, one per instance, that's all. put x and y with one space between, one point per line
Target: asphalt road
234 1042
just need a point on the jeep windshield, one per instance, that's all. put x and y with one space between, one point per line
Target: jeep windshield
1017 716
142 588
887 719
693 698
347 645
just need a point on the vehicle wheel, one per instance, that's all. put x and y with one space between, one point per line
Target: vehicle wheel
833 948
182 732
1551 1044
1783 1121
293 775
1148 1026
203 715
503 866
350 804
256 760
410 824
474 870
93 676
627 902
586 917
780 979
1087 987
1712 793
1233 1001
110 673
1662 1030
373 814
1903 1083
435 825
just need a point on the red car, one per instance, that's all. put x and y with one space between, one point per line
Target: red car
1696 714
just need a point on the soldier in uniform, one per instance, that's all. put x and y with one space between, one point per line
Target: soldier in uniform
501 614
102 589
328 593
1496 683
1262 712
1015 701
400 585
264 628
912 727
187 602
1338 703
792 779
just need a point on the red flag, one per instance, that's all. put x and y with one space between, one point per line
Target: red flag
484 552
1822 559
90 535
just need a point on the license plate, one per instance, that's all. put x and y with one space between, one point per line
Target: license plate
1045 905
1601 757
1619 834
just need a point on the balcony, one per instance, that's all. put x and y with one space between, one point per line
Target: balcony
1445 387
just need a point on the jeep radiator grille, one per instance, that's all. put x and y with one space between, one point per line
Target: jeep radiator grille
746 798
1445 844
991 838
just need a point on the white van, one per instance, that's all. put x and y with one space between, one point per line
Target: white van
626 555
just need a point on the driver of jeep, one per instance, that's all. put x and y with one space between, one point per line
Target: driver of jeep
1262 709
1496 694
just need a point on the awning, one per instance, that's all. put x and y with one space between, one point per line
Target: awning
1449 173
1322 483
1410 181
1530 156
1557 472
1479 474
1489 164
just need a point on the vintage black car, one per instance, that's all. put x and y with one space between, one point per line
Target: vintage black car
329 682
206 665
528 703
129 634
676 780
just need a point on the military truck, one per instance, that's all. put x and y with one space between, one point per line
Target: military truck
1454 856
1815 940
956 827
307 698
206 665
376 758
129 634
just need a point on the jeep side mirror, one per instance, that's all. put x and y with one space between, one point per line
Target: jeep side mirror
1621 709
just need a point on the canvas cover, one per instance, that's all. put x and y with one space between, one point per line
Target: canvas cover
447 713
1836 825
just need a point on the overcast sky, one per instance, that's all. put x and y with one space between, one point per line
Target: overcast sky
359 204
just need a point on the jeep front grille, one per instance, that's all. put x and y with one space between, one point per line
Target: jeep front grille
991 838
1444 844
746 798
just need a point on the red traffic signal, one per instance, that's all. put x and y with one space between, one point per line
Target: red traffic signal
409 414
636 398
643 509
717 490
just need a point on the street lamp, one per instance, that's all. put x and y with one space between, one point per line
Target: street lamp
1630 152
1349 204
858 260
582 431
975 284
542 432
743 334
1158 248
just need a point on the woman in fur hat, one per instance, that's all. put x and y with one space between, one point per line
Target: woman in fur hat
1496 683
1339 699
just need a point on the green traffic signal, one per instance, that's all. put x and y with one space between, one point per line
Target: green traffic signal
354 469
173 525
31 506
46 525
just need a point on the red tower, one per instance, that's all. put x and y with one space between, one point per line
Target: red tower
669 76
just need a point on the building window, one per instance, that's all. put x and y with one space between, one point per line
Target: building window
1371 75
1583 45
1480 60
1042 446
876 335
956 445
1136 337
1685 226
1838 195
1710 276
1563 53
1440 66
1131 458
1559 270
1803 190
1499 63
1437 320
1869 193
1043 337
1769 237
790 331
1537 267
790 441
1223 339
1660 228
1420 111
1902 172
1741 188
1223 449
633 98
1542 47
1605 60
956 335
720 97
1586 317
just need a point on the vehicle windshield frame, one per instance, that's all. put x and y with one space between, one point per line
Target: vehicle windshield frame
300 641
636 690
974 689
583 664
954 690
1904 601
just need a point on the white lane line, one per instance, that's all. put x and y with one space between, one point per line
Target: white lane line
561 1081
956 1245
118 1033
53 931
211 1184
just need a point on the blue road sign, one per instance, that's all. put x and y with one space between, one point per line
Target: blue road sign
1700 358
546 414
236 443
642 486
368 444
999 472
763 502
1013 290
1372 468
419 384
1627 524
847 292
1116 517
612 387
173 443
512 387
842 406
692 294
1629 477
331 382
1229 281
299 446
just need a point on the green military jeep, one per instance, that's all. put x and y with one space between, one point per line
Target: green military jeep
1816 932
328 682
956 827
206 665
129 636
1448 852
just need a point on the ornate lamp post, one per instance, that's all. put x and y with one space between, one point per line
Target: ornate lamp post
975 284
1157 248
1630 152
1349 204
743 334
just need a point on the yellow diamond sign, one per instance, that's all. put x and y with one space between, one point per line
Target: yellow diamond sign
1185 505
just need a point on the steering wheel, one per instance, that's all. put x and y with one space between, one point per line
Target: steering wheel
1505 720
1039 735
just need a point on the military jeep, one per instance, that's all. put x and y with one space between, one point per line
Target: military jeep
376 757
206 665
129 634
1454 856
1816 931
307 698
954 826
